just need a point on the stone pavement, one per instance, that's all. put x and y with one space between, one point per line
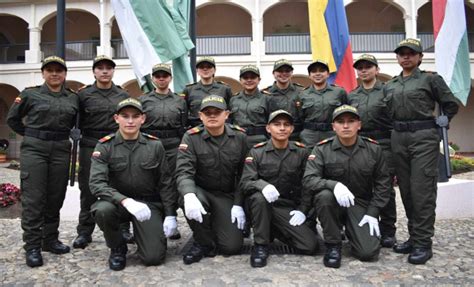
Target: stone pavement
452 263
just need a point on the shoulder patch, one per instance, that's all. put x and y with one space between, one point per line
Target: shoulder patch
307 88
183 146
311 157
237 128
370 140
249 159
149 136
191 84
298 144
259 144
298 85
221 82
324 141
182 95
265 92
194 130
107 138
267 88
32 87
83 87
18 100
429 72
70 90
236 94
334 85
96 154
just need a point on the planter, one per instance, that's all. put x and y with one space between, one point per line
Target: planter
3 157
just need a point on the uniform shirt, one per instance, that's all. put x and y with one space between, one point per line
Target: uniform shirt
249 110
214 165
119 170
43 109
318 105
164 112
371 106
363 171
414 97
287 99
264 165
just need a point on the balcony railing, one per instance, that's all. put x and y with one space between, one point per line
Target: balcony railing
75 50
223 45
12 53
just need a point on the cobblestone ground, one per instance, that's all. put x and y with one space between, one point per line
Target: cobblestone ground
452 263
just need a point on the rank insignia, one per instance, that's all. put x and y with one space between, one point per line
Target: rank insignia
249 159
312 157
96 154
17 100
183 146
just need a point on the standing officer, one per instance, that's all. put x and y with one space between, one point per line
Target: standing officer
166 117
376 124
284 94
195 92
209 166
411 97
130 176
275 198
349 178
44 116
249 108
98 104
318 101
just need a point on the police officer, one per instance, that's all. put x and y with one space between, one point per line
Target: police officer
249 108
349 178
368 98
98 104
195 92
318 101
276 201
209 166
411 97
130 176
44 116
284 94
166 117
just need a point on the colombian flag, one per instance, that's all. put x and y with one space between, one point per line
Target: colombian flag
330 40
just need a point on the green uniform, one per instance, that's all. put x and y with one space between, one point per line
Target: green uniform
284 169
211 168
135 169
251 113
415 145
97 107
377 124
45 119
316 112
363 171
194 93
288 100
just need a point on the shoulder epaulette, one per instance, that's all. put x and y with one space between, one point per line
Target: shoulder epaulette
32 87
307 88
298 85
259 144
429 72
107 138
370 140
325 141
267 88
265 92
83 87
119 87
194 130
237 128
221 82
353 90
298 144
70 90
182 95
149 136
236 94
191 84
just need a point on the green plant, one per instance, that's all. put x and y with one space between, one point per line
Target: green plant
462 164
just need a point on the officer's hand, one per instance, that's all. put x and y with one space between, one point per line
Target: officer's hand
193 208
237 213
137 209
297 217
373 224
343 195
270 193
170 225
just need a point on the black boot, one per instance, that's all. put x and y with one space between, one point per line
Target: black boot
333 256
118 258
259 255
388 241
128 236
420 255
81 241
34 258
403 248
56 247
197 252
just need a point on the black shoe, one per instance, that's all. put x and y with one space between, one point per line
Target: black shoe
118 258
197 252
388 241
333 256
175 236
403 248
128 237
81 241
56 247
259 255
420 255
34 258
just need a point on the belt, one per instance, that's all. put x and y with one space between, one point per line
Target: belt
252 131
47 135
96 134
173 133
148 198
324 127
376 134
411 126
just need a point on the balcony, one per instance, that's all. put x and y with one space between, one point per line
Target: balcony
12 53
75 50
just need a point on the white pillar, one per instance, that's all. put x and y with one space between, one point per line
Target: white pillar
34 54
257 45
105 33
410 21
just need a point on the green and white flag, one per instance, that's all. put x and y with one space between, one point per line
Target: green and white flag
154 32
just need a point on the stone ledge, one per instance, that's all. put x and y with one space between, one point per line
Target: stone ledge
455 199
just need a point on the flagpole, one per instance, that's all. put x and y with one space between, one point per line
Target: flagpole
192 35
60 23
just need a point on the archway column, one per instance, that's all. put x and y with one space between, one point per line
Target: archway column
34 54
105 47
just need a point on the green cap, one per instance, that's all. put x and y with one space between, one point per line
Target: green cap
213 101
130 102
343 110
366 57
249 68
411 43
53 59
279 113
101 58
161 68
318 63
281 63
209 60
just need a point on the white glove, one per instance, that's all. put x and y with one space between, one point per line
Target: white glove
343 195
170 225
137 209
373 224
270 193
193 208
297 217
237 213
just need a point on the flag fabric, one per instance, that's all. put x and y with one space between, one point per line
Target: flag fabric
330 41
153 32
451 46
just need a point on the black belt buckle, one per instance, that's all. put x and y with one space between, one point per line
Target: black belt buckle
411 127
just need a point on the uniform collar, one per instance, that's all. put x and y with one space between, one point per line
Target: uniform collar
201 85
416 74
269 146
227 131
45 89
328 88
378 86
119 139
169 94
275 88
336 144
112 88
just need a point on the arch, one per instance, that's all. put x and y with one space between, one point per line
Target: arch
286 17
132 88
380 16
80 24
14 28
233 83
236 4
8 93
226 14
